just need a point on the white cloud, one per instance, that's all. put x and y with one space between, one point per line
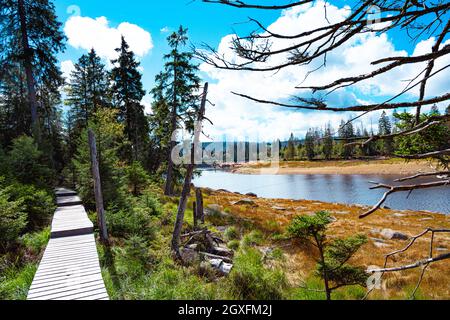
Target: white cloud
238 117
87 33
165 29
67 67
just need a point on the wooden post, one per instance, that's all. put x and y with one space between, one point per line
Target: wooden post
188 178
97 188
194 213
199 200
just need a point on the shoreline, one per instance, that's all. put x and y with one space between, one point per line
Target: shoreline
340 167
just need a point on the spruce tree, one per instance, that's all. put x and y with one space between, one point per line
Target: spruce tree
31 39
385 128
180 84
327 147
290 150
127 93
309 144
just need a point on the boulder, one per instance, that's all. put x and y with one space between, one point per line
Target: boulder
393 235
279 208
252 195
246 202
223 252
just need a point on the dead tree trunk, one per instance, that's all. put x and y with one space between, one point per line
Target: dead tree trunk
97 188
194 214
187 181
199 200
28 66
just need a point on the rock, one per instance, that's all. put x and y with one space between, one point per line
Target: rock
441 249
342 212
300 208
245 201
221 266
398 215
252 195
224 252
426 219
393 235
225 268
279 208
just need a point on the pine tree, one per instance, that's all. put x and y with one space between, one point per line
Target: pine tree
327 147
290 150
309 144
127 92
385 128
87 91
180 84
346 132
31 39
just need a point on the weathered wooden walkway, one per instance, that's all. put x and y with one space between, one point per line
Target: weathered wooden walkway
70 268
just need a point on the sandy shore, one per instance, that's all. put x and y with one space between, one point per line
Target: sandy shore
391 166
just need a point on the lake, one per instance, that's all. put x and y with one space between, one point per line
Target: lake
349 189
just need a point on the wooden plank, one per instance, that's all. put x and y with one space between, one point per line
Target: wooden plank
70 267
68 201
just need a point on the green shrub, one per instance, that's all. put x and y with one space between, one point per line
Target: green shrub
25 163
250 280
150 203
36 242
136 178
253 238
127 223
233 244
14 283
38 204
13 219
231 233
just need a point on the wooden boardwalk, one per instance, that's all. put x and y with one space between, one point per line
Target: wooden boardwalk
70 268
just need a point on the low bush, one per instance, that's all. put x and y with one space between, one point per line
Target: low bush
231 233
233 244
251 280
253 238
13 219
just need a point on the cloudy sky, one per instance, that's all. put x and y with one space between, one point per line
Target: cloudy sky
146 24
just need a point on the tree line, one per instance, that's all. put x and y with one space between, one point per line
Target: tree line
325 144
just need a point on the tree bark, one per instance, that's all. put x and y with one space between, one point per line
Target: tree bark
97 188
187 181
168 191
324 273
28 66
194 214
199 200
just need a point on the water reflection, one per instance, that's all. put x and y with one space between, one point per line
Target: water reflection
330 188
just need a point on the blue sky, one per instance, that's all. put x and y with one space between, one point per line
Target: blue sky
210 23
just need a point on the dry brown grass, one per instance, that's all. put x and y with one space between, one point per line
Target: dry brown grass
300 262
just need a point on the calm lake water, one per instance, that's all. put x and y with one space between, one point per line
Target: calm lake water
328 188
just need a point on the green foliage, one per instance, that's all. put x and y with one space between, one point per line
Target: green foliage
231 233
137 178
109 138
127 91
310 227
253 238
37 203
251 280
124 223
14 282
37 241
332 264
25 163
432 139
13 219
233 245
